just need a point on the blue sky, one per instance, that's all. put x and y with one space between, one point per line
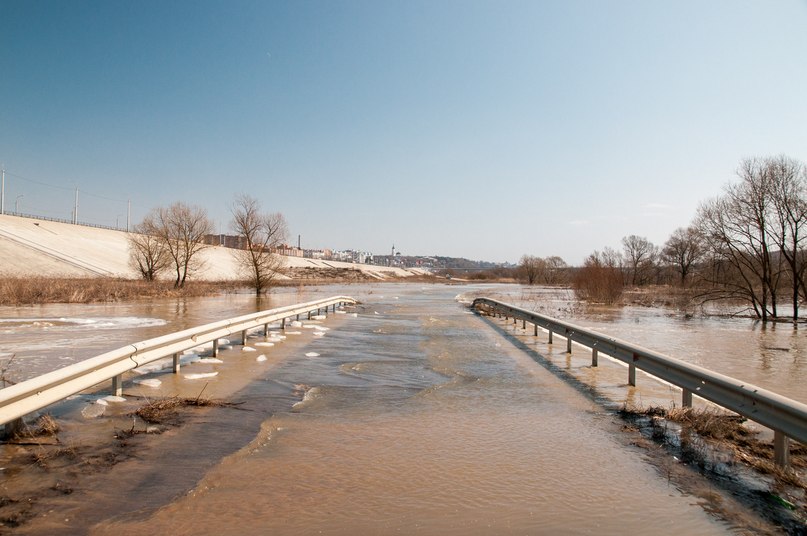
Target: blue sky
479 129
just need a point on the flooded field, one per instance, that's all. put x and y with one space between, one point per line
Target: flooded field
414 415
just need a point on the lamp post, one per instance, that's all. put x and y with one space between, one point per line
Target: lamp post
17 203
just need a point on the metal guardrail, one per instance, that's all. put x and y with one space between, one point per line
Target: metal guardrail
786 417
35 394
64 220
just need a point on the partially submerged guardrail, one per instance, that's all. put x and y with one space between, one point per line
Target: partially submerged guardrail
32 395
787 418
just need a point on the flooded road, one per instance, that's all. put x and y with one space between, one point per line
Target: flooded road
413 416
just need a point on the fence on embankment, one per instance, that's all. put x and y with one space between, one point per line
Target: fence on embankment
787 418
32 395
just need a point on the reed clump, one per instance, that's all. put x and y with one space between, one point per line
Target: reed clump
165 410
44 426
39 290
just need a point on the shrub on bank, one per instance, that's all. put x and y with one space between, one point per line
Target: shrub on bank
36 290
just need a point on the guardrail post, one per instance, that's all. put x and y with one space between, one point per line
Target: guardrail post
632 371
523 324
176 363
216 348
266 330
309 314
595 354
568 343
298 317
117 385
686 398
550 337
243 337
535 330
781 448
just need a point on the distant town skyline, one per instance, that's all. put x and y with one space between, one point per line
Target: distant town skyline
475 129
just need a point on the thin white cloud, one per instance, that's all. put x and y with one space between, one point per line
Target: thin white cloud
658 206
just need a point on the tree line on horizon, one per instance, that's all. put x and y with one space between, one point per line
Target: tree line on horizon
746 244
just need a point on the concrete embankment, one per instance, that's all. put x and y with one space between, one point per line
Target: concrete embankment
31 247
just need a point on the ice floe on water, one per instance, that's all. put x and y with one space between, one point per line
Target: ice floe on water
102 402
319 333
210 360
312 354
93 411
319 317
261 358
74 323
294 333
200 375
264 344
321 328
148 382
114 399
296 324
340 312
248 349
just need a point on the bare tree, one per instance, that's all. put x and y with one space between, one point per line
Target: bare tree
555 270
530 268
640 255
737 229
261 233
182 229
788 184
683 249
148 254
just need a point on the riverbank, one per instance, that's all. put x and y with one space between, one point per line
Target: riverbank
18 291
39 248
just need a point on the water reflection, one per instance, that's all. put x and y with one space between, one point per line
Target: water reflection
768 355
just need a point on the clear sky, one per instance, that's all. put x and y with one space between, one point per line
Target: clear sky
479 129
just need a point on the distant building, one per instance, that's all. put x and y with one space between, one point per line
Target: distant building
288 251
227 241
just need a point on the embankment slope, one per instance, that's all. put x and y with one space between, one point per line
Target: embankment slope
31 247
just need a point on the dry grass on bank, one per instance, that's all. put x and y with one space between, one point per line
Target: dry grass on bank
38 290
726 432
45 426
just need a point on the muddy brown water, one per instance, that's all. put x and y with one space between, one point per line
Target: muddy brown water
412 416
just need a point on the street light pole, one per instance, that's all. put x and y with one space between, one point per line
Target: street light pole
17 204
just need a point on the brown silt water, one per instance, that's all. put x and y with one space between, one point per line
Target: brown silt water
413 416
